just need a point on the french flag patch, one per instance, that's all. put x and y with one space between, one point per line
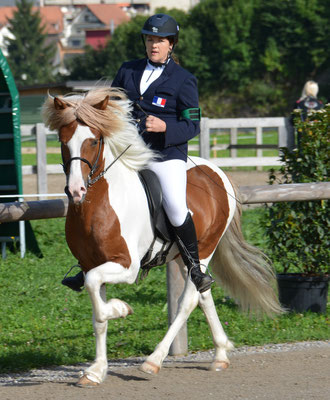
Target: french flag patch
158 101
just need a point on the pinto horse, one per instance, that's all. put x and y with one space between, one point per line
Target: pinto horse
109 228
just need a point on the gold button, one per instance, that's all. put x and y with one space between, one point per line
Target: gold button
141 98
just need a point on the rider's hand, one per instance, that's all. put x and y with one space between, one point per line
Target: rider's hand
154 124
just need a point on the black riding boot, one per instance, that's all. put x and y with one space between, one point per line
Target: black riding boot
186 240
75 282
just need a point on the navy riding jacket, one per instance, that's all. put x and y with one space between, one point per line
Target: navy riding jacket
170 94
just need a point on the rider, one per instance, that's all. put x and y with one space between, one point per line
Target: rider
165 100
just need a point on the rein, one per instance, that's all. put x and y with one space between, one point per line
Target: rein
91 182
94 167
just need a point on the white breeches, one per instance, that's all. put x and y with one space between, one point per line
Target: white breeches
172 175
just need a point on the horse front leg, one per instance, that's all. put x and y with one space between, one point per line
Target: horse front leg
102 312
97 372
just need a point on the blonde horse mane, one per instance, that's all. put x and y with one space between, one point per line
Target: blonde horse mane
115 123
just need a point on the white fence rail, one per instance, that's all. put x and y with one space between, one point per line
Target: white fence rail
280 124
233 125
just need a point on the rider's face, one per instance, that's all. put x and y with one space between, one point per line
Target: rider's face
158 48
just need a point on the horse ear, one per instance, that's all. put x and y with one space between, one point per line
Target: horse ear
59 104
102 105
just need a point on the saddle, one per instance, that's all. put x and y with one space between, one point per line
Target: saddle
159 220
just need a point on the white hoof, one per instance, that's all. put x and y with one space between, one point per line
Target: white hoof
218 366
149 368
85 382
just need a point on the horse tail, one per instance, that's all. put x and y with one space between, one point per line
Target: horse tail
244 271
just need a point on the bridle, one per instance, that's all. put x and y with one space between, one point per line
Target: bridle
95 165
92 168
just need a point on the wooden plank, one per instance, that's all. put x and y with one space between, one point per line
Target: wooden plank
51 169
43 209
204 139
286 192
233 142
246 161
246 122
30 210
259 142
175 287
30 130
253 146
41 158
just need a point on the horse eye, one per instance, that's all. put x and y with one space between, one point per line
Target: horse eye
94 143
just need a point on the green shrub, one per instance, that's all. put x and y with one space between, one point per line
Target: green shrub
298 232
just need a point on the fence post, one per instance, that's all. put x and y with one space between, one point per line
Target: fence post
259 141
175 286
233 141
41 158
204 139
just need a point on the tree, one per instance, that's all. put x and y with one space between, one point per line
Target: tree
105 62
224 28
251 57
30 56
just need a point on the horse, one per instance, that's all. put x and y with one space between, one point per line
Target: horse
109 228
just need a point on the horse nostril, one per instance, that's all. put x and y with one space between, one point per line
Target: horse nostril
83 189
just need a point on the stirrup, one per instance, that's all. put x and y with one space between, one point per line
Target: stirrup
201 280
76 282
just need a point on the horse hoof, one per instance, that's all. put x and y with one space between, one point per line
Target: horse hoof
149 368
129 309
218 366
84 382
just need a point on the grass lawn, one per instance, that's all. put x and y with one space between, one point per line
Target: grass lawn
43 323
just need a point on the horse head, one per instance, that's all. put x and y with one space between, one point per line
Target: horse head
82 122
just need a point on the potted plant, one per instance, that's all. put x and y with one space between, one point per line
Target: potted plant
298 232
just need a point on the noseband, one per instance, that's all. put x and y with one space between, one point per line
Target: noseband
93 167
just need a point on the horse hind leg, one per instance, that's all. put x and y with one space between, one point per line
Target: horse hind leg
220 339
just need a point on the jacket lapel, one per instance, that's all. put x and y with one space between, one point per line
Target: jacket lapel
137 73
163 77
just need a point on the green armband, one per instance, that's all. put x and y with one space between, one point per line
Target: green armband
195 114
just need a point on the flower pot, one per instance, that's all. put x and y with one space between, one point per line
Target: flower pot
301 293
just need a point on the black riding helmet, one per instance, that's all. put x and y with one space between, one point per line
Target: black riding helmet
161 25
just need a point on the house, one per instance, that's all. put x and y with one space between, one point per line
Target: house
71 27
133 6
93 25
52 19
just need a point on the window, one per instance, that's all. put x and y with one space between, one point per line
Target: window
75 42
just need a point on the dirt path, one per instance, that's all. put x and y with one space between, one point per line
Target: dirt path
290 372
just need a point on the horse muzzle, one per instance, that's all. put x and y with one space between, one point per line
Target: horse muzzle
75 196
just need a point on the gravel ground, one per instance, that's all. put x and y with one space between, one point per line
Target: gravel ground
277 371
